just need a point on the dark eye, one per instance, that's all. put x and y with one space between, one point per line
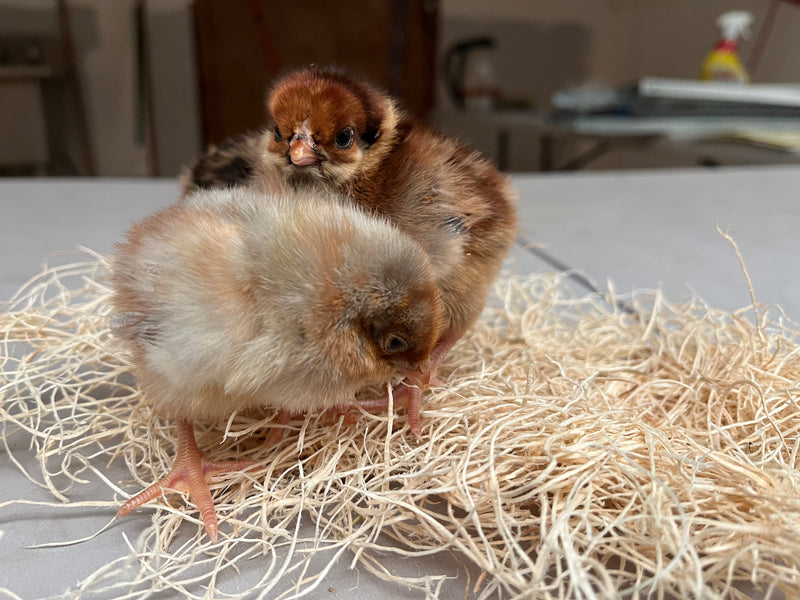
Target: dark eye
344 139
278 136
394 344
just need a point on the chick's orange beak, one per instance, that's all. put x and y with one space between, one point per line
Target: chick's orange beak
301 152
418 374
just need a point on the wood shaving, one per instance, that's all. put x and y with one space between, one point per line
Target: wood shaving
575 450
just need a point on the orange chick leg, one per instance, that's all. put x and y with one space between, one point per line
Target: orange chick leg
403 396
277 434
189 473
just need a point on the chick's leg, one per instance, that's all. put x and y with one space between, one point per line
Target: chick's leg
406 395
189 473
278 433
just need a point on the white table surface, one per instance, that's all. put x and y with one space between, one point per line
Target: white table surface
641 229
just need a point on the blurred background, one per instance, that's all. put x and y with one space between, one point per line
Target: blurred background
139 88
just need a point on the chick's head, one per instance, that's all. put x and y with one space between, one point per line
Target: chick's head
379 307
328 126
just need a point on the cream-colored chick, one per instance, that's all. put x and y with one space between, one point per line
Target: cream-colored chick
237 299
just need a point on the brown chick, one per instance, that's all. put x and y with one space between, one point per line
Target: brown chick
336 131
237 299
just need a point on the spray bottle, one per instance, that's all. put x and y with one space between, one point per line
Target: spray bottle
722 63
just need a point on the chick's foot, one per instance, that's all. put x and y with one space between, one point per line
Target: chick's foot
407 396
190 473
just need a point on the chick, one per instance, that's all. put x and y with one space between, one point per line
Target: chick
334 131
227 164
237 299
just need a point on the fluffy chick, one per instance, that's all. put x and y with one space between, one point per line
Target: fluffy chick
338 132
237 299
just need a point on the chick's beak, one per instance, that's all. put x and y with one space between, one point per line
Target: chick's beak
416 373
301 151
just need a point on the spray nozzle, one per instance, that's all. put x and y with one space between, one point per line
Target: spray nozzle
734 24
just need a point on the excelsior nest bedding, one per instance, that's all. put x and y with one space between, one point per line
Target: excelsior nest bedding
581 447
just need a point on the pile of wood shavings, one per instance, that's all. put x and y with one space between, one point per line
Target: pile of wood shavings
578 449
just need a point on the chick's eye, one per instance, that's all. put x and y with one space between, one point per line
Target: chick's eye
344 139
394 344
278 136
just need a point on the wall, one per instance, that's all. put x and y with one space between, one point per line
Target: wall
632 38
175 81
105 48
544 46
624 39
